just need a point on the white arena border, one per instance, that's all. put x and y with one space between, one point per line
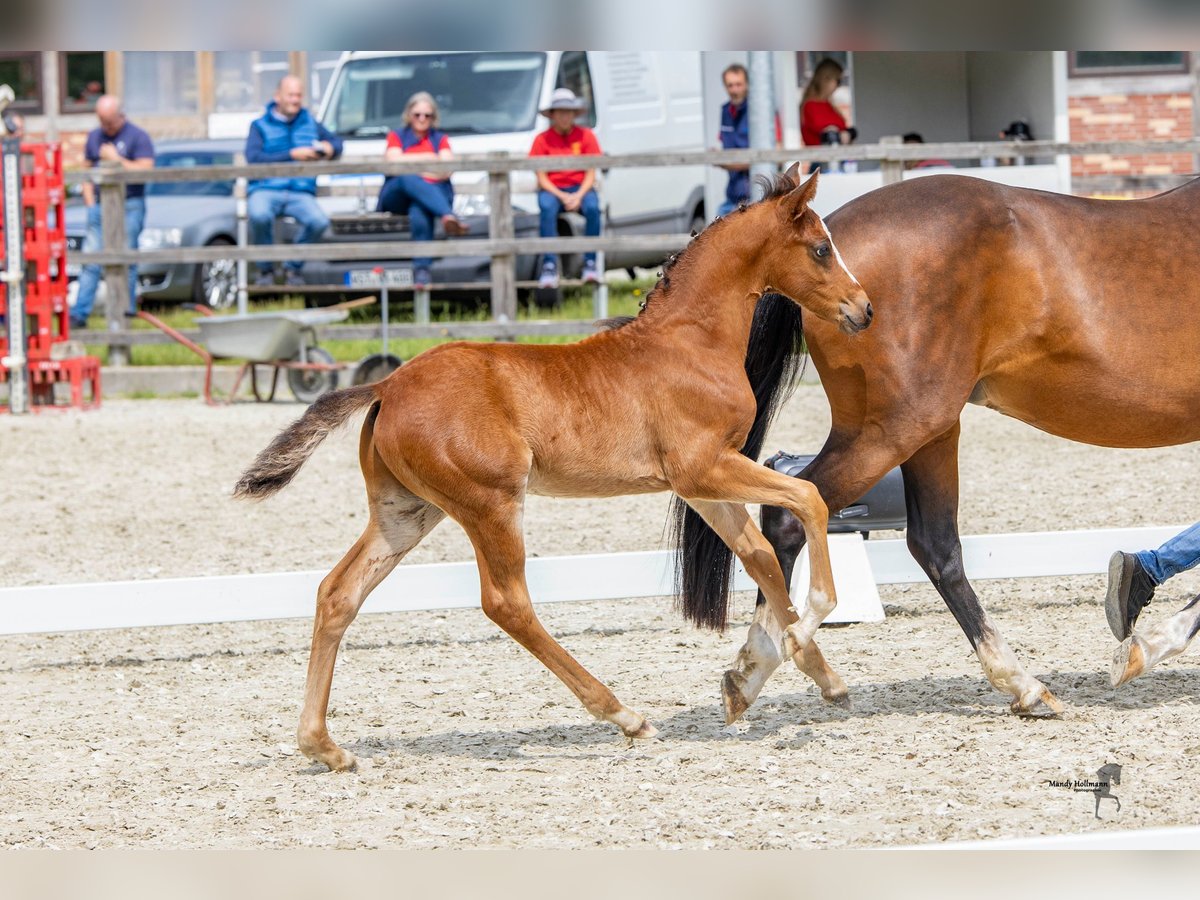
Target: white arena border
1182 837
235 598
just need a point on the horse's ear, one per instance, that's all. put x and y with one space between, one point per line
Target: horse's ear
793 174
799 199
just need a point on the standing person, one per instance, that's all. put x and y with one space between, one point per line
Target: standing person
116 140
735 135
1132 577
287 132
820 121
570 190
426 196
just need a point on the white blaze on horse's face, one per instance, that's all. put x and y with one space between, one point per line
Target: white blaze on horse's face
836 253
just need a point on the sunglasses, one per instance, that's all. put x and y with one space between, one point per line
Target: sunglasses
418 115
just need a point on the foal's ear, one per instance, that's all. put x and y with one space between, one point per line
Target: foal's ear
797 201
793 174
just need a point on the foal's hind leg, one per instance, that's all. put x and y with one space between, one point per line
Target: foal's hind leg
499 545
761 654
1141 651
398 523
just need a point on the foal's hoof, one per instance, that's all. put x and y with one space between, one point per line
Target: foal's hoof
645 731
1129 661
1038 705
839 699
732 697
336 758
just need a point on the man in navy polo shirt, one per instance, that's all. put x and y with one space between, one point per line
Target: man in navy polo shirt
735 135
287 132
116 140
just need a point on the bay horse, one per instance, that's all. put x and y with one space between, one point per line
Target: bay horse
668 401
1069 314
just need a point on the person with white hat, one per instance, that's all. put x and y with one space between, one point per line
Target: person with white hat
571 189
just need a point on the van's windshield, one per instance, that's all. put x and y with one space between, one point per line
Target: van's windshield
476 93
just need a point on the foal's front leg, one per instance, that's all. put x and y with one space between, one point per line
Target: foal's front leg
762 652
737 479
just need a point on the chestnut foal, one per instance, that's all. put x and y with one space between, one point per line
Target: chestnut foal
661 403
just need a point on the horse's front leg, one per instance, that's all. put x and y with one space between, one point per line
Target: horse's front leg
734 479
763 651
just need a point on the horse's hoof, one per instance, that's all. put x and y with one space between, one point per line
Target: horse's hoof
342 761
839 699
1129 661
732 698
1042 705
645 731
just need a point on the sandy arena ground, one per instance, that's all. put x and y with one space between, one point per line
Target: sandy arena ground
184 736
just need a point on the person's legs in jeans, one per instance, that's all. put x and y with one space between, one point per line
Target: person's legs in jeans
262 207
1179 554
89 278
549 207
590 207
135 216
430 201
312 220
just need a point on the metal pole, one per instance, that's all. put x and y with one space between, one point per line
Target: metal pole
13 278
762 115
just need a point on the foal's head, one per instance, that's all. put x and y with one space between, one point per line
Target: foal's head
798 258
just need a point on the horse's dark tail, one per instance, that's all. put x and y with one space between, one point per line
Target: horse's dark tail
704 569
275 466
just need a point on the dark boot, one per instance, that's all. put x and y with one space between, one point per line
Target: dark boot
1130 590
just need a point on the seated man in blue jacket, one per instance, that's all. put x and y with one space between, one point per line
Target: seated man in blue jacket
287 132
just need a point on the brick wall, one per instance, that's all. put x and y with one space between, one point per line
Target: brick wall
1130 117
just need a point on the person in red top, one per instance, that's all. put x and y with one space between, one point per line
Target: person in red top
568 189
820 122
425 197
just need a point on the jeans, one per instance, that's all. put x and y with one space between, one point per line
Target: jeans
264 206
550 207
93 242
1179 554
422 202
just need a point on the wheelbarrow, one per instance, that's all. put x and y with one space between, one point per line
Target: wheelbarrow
284 340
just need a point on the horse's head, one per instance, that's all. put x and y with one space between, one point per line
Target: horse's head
801 261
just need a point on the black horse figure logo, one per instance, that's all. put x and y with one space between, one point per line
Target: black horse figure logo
1106 777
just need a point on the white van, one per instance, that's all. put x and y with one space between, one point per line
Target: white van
489 101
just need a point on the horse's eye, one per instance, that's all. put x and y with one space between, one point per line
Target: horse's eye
821 251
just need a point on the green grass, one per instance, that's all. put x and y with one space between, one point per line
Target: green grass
624 298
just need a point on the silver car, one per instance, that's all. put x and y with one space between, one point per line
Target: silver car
181 214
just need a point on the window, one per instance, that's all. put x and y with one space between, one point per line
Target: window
186 160
476 93
1128 62
23 73
246 80
321 66
573 73
160 82
82 81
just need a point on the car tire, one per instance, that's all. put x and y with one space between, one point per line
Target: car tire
214 284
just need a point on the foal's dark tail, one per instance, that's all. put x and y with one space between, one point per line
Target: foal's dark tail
704 572
275 466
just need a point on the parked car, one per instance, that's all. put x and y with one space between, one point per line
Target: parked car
181 214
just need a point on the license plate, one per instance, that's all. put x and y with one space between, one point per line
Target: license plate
365 278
